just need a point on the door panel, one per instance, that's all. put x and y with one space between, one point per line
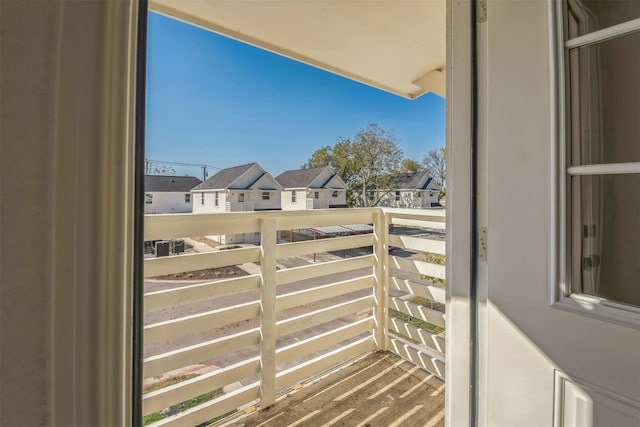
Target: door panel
526 342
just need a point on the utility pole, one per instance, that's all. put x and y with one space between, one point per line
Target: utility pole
204 173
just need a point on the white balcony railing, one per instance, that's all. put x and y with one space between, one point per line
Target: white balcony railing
288 319
317 204
238 207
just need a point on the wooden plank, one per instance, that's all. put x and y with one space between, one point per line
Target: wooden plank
418 244
200 292
325 217
324 362
191 262
432 316
381 272
419 267
318 293
185 390
173 226
172 360
322 269
304 321
286 250
268 312
437 213
183 326
213 408
319 342
418 223
435 342
432 292
430 362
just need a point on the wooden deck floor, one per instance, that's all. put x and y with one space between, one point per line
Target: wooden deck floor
380 390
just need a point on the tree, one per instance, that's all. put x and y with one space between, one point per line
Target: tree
435 163
152 167
366 163
409 165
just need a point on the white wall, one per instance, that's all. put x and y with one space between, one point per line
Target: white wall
340 200
66 229
272 204
209 202
167 202
300 203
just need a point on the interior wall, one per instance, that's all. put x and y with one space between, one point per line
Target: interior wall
66 183
30 33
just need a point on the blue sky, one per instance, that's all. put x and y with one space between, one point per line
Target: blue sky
213 100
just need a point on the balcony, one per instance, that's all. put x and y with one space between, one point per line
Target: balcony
317 203
238 207
366 306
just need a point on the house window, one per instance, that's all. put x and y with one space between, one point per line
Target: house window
293 197
397 196
316 195
266 195
148 198
241 198
187 198
216 199
334 194
202 199
600 156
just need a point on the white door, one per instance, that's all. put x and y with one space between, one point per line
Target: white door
559 195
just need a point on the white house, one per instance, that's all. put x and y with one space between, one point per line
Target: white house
168 194
237 189
315 188
414 190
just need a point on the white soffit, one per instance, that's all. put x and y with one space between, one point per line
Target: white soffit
394 45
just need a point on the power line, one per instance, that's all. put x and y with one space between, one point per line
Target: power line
204 167
200 165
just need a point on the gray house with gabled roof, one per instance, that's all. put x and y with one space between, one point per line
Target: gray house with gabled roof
168 194
241 188
314 188
413 190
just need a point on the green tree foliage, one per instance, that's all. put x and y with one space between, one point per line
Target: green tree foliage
435 163
409 165
366 163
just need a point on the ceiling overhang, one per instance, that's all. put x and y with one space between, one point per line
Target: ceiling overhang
394 45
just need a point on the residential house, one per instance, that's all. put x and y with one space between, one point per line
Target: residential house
242 188
414 190
314 188
542 323
168 194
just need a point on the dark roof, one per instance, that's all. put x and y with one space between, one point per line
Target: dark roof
225 177
170 183
300 178
410 181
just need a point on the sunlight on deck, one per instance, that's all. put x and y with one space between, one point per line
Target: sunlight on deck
380 389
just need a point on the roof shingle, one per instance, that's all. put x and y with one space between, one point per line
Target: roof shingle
225 177
300 178
161 183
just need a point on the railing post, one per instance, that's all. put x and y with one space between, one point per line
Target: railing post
381 272
268 333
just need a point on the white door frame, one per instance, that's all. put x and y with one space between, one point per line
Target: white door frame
460 373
